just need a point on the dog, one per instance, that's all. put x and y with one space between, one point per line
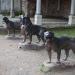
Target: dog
57 44
11 26
29 29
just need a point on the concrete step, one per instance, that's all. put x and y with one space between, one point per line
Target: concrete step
51 23
55 24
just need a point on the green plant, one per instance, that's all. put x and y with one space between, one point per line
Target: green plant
17 13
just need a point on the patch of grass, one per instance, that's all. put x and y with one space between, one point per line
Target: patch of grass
64 31
4 32
60 31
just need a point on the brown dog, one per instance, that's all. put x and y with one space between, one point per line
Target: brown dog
58 44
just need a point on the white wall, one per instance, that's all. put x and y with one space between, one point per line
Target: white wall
6 4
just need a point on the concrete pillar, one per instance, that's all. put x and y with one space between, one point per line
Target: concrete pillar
72 7
72 13
12 9
0 6
38 16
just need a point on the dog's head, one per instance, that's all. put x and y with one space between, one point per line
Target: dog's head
26 21
5 19
48 35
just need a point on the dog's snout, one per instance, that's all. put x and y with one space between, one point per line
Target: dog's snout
22 26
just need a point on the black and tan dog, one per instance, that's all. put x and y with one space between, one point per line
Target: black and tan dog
28 29
11 26
58 44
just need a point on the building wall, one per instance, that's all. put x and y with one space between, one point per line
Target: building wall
32 7
51 8
5 5
54 8
28 7
17 5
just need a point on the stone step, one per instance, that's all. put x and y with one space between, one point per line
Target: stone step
51 23
54 24
46 22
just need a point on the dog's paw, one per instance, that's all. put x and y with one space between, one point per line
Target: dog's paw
29 42
58 62
65 59
38 42
49 62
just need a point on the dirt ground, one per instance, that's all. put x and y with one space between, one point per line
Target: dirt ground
15 61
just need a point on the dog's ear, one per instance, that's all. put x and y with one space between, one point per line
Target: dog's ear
51 34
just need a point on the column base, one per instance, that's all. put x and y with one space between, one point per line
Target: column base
71 20
38 20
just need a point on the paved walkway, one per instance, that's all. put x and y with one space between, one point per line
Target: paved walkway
14 61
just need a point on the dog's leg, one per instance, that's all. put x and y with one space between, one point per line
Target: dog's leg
67 54
30 38
13 32
58 55
49 49
49 54
24 39
43 41
8 33
39 39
